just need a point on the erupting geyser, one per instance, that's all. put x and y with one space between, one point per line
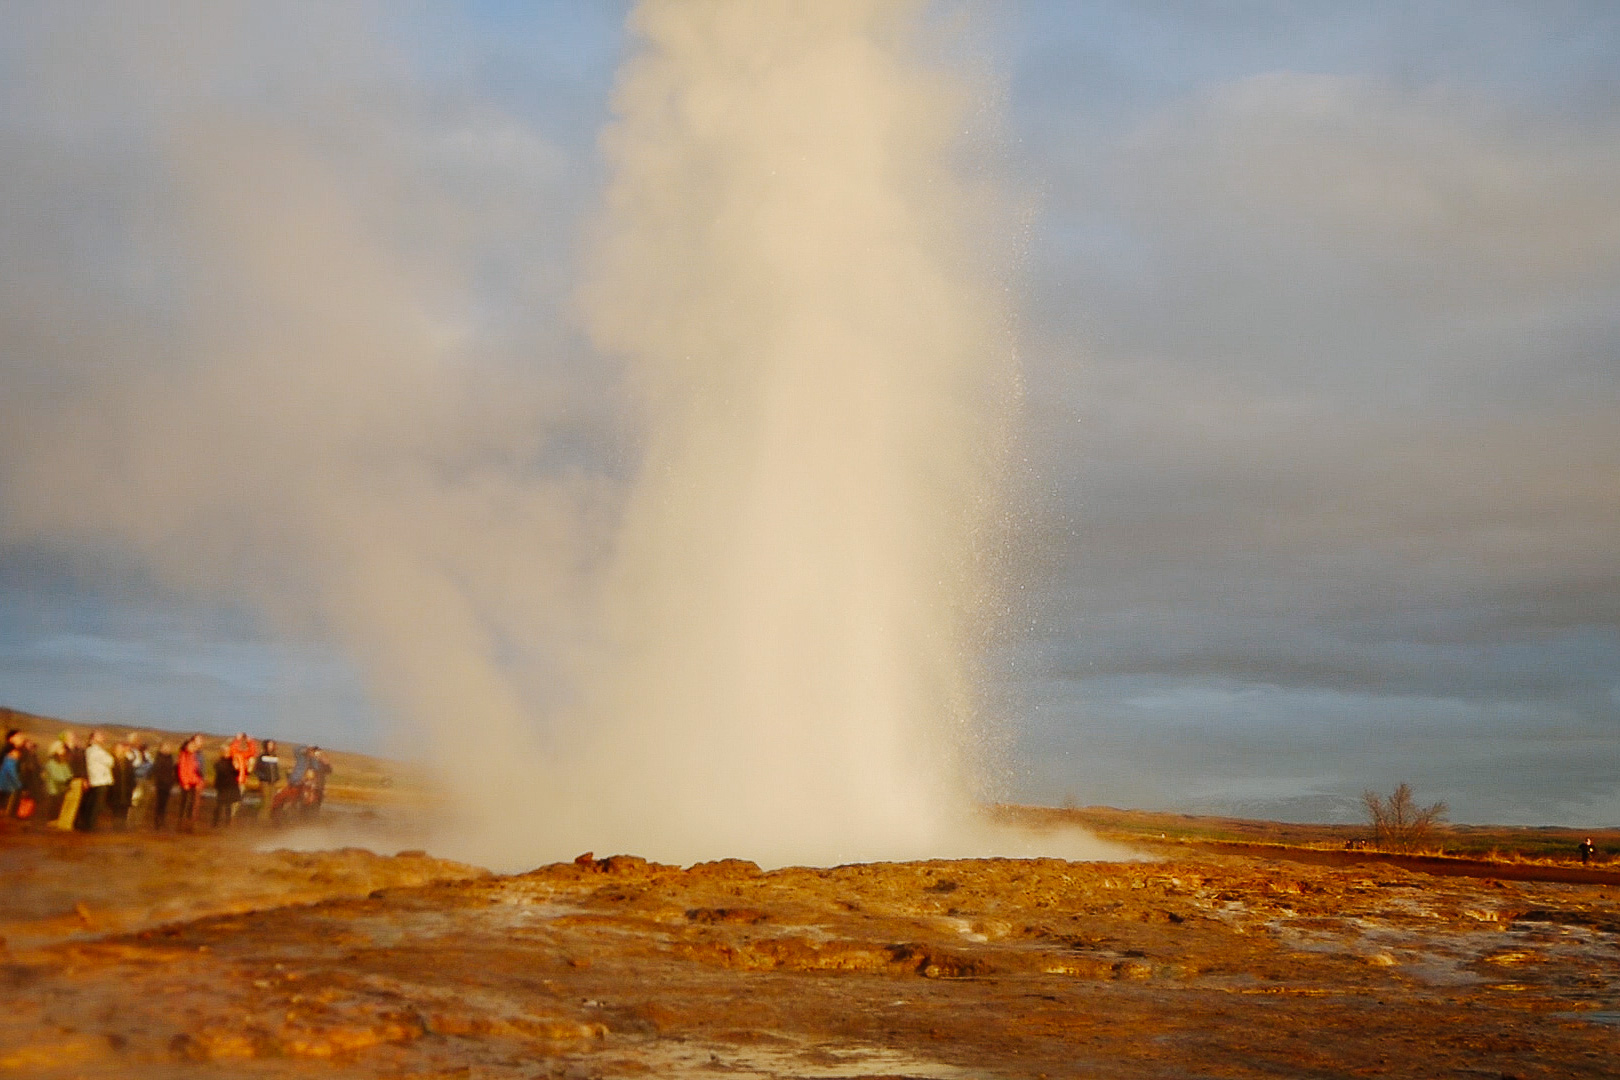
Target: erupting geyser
796 277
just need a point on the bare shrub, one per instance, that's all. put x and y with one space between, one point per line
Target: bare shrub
1399 823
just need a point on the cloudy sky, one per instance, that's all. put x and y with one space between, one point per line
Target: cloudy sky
1318 307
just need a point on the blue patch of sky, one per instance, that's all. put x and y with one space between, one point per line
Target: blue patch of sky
125 652
1120 57
552 63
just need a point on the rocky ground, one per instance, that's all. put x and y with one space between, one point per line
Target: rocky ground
134 956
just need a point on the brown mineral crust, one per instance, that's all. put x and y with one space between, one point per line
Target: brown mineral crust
80 885
1210 966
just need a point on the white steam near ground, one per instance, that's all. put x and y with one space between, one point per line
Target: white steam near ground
746 620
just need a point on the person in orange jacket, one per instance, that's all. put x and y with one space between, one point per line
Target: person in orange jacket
242 752
189 775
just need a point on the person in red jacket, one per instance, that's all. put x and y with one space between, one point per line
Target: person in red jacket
189 775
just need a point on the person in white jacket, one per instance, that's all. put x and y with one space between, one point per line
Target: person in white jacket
98 768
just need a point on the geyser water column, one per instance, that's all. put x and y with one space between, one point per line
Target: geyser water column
795 277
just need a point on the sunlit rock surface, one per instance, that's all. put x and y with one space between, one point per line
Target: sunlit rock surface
156 957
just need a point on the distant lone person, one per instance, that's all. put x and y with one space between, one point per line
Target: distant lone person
1587 850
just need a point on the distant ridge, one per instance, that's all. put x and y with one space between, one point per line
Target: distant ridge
1325 808
50 726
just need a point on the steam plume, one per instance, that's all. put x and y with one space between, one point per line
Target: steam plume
762 645
786 262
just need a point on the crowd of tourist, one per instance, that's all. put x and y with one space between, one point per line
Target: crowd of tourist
85 785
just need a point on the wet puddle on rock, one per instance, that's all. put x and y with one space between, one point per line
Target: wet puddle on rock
1452 955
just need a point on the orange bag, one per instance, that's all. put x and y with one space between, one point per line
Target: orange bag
25 806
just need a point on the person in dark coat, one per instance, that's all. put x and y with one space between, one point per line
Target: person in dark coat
267 771
75 751
121 796
164 774
227 789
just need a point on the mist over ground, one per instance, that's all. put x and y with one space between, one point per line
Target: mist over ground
1317 460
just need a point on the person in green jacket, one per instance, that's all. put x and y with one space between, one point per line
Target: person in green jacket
57 772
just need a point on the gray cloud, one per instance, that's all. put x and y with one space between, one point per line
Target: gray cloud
1376 171
1325 408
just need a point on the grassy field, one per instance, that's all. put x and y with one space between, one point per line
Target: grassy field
1494 842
